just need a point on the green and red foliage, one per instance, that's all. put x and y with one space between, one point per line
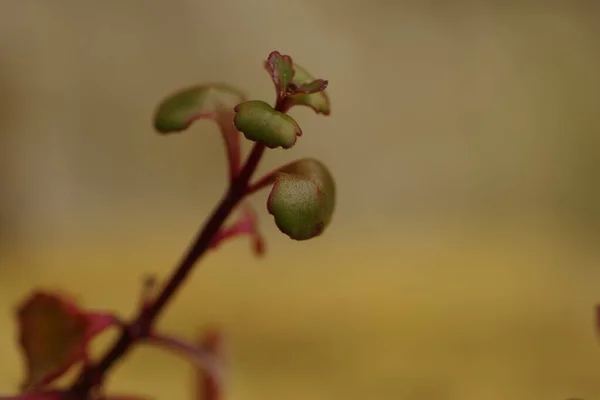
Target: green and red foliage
55 331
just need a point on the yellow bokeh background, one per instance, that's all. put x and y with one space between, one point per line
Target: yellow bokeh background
465 140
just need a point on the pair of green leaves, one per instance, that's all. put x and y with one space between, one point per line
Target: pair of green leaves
257 120
296 85
55 333
303 195
260 122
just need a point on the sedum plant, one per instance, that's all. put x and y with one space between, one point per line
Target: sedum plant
55 332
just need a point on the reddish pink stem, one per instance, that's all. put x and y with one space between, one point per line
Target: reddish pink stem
142 324
207 387
261 183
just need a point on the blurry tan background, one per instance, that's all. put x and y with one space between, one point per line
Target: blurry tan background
462 261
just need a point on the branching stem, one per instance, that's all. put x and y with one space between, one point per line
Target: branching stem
142 324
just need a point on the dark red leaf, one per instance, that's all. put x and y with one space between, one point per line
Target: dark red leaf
54 334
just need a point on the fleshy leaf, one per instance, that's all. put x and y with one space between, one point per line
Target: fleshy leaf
179 110
310 92
54 335
302 199
312 87
246 225
216 101
282 73
200 357
259 122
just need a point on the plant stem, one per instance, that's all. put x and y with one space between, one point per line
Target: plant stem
92 375
207 387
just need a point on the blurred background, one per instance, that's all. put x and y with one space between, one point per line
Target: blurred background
465 139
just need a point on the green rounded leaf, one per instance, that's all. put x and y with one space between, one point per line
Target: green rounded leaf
319 101
302 199
179 110
259 122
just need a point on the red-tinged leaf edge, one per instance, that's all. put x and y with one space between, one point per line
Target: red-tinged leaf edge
312 87
295 82
198 356
178 111
259 122
311 92
280 68
215 101
247 224
302 199
69 320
